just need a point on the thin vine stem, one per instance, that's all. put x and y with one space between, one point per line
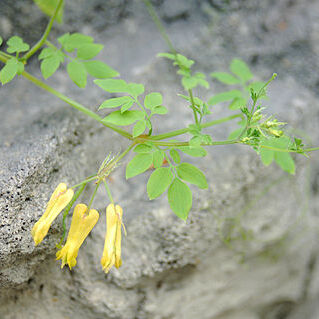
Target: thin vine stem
46 33
159 25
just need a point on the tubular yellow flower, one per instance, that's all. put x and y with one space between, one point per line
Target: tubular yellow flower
112 246
58 201
81 226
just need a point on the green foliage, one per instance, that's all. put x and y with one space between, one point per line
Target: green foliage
139 164
100 70
158 158
16 45
123 119
194 151
225 96
225 78
191 174
77 73
159 181
153 100
9 71
180 198
89 51
139 128
184 64
80 65
275 149
51 60
1 40
115 102
241 70
175 156
48 8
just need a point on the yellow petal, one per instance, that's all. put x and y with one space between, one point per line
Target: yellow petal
81 226
112 245
118 260
58 201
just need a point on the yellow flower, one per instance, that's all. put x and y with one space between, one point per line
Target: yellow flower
81 226
112 246
58 201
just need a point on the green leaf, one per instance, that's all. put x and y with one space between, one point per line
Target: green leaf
198 101
126 106
237 103
195 151
235 134
158 158
16 44
143 148
282 158
113 86
46 53
135 89
241 69
139 128
257 86
70 42
180 198
225 78
166 55
285 161
266 155
192 174
77 73
152 100
89 51
100 70
123 119
183 61
195 141
115 102
139 164
48 7
203 83
20 67
224 96
9 71
175 156
1 40
159 110
189 82
159 181
50 65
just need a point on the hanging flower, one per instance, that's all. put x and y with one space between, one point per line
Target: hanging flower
112 246
58 201
81 226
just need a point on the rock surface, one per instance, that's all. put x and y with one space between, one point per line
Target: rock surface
269 268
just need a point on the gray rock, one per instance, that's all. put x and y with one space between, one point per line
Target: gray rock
249 247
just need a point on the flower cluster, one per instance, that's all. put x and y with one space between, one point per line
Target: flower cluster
82 223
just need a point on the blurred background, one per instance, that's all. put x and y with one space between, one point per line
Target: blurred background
249 249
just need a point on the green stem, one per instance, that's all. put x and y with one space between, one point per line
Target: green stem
93 196
46 33
190 92
290 151
177 144
159 25
125 152
185 130
108 191
89 179
75 104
